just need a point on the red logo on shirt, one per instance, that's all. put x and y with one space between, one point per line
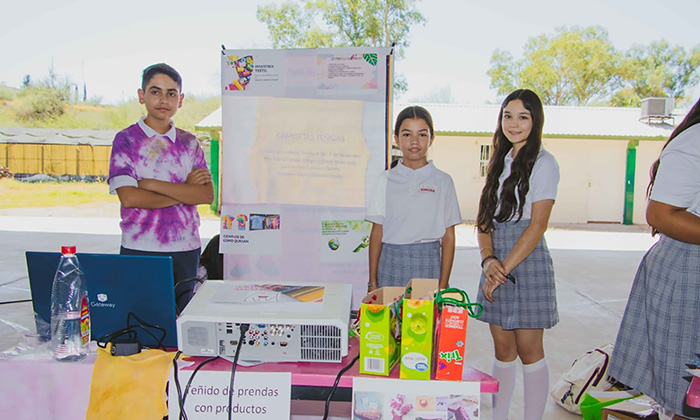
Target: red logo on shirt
425 188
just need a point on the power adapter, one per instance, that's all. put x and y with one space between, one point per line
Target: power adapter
125 349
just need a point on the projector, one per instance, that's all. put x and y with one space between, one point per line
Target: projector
287 322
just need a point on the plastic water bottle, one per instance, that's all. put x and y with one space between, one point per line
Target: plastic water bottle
70 317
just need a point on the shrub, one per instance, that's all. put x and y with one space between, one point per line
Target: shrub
40 104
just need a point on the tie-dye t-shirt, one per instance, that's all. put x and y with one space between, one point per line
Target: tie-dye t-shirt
137 155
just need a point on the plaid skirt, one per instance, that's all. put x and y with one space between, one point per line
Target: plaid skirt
660 330
400 263
532 301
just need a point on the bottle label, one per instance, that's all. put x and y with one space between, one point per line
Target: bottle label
84 321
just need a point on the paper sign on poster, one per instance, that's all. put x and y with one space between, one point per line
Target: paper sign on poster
257 395
250 230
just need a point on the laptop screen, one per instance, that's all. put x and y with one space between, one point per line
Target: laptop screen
117 285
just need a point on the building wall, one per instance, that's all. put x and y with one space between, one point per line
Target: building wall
592 183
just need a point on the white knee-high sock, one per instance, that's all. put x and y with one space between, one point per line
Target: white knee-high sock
505 373
536 382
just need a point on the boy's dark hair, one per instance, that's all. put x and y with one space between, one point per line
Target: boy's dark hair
160 68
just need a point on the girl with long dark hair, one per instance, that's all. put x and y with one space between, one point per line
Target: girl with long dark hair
517 282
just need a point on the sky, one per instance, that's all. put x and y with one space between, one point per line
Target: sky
106 45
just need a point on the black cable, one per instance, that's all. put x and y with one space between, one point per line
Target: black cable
185 281
154 326
243 328
183 415
176 378
335 386
131 331
180 283
8 302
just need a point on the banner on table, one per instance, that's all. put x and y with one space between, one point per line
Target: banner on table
305 136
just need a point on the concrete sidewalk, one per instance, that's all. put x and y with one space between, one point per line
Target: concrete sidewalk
594 271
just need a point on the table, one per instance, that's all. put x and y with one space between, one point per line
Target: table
323 375
46 389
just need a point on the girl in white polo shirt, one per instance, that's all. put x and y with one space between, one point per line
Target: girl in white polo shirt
517 282
413 211
659 332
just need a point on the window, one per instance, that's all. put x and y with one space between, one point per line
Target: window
484 157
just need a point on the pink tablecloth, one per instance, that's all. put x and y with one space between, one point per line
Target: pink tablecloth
45 389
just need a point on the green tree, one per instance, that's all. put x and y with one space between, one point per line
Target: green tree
293 26
342 23
657 70
572 67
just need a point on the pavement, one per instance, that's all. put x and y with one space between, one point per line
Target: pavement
594 268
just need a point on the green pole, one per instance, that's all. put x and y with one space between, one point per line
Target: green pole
214 150
627 218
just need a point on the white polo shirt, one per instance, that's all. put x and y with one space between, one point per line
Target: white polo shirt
677 181
414 206
544 180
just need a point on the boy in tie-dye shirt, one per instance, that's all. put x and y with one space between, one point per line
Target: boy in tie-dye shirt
160 175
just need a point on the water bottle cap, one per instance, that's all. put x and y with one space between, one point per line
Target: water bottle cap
68 249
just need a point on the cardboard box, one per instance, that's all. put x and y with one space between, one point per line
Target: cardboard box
417 321
450 339
380 330
638 408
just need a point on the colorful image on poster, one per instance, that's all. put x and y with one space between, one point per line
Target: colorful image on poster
264 221
382 398
344 237
238 221
244 69
368 406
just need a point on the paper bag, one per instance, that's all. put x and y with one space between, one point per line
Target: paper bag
417 322
380 330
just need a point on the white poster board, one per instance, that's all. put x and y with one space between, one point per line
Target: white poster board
257 395
375 398
305 136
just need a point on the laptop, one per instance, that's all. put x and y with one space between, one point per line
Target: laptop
117 285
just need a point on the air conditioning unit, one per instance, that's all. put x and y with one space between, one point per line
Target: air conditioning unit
657 108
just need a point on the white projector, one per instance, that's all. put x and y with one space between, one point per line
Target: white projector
288 322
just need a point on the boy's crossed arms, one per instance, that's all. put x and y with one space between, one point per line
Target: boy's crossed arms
157 194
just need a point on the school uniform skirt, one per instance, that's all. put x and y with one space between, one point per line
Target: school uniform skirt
400 263
659 333
532 301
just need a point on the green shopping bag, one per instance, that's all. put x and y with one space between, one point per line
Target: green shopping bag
592 403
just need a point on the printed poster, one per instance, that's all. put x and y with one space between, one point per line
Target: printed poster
305 136
402 399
